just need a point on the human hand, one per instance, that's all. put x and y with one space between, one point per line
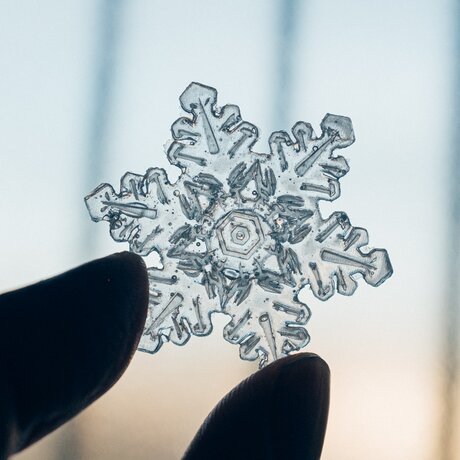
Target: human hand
65 341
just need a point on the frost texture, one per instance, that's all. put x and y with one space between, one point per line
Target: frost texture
240 232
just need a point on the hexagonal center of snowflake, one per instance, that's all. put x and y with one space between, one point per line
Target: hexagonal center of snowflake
240 234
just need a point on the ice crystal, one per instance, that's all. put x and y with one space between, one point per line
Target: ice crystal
240 232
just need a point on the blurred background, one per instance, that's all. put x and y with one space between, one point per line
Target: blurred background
89 89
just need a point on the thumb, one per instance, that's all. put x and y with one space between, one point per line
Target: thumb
278 413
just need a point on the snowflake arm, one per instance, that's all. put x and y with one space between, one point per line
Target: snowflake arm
314 168
272 330
174 315
335 256
137 214
212 136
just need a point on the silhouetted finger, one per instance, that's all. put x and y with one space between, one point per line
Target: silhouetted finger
64 342
278 413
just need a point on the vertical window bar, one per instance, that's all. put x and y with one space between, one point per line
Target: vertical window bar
287 19
450 428
105 63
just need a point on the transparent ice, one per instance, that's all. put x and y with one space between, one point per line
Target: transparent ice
240 232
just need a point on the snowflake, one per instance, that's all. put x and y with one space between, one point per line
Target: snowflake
240 232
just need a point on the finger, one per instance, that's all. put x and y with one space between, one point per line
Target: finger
65 341
278 413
